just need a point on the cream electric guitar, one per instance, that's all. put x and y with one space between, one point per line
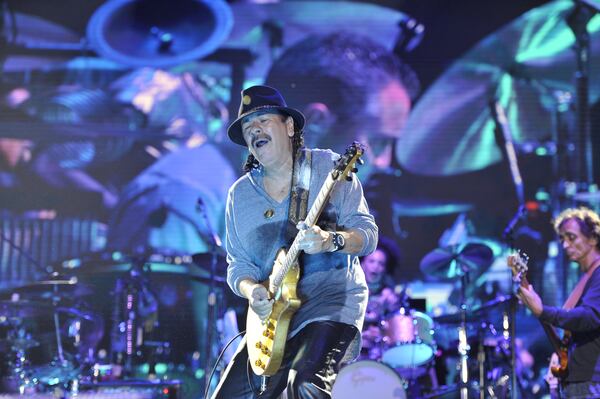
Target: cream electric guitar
265 340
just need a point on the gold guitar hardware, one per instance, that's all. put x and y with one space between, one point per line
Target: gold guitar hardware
268 334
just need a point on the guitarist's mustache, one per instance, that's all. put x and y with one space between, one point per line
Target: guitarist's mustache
260 137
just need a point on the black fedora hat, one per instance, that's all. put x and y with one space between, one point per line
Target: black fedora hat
261 98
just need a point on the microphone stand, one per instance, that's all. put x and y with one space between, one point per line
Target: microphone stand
504 139
215 243
508 237
463 344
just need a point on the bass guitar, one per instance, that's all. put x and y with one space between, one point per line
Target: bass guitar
518 264
265 339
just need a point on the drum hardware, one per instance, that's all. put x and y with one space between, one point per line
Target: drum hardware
492 347
134 314
19 377
25 344
15 309
459 262
160 348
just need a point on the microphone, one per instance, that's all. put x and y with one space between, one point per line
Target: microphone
521 212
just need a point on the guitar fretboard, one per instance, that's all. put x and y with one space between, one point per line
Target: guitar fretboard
311 219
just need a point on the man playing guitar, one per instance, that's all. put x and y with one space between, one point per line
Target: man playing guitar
579 233
330 304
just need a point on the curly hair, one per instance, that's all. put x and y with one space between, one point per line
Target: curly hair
392 254
340 69
297 143
588 221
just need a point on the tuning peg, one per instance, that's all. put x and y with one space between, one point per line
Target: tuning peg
354 170
348 178
360 161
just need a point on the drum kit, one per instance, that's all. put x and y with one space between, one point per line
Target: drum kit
100 323
47 336
405 350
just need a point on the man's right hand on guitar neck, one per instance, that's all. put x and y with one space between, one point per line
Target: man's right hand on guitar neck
258 298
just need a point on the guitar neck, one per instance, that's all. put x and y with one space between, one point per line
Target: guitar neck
552 337
311 220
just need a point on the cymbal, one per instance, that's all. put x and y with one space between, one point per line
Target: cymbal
114 262
23 308
257 26
157 34
33 29
12 344
58 286
429 207
493 304
528 65
453 262
479 314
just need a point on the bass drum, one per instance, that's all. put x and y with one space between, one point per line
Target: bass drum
368 379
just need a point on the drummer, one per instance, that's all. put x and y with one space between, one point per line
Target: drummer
379 270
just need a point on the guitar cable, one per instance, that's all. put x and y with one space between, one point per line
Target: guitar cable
214 368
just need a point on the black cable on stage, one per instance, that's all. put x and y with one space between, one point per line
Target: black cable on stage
212 372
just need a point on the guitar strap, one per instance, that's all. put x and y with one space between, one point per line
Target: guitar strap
577 292
300 186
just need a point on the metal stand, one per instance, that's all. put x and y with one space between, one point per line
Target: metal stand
135 302
463 345
508 236
215 246
577 20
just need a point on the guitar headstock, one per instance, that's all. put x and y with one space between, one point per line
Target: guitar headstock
517 262
346 165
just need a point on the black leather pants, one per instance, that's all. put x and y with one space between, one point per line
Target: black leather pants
310 364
